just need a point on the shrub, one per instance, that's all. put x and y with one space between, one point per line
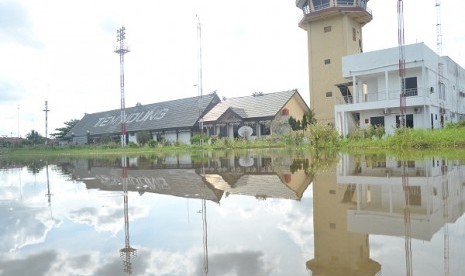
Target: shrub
152 144
323 135
132 145
196 139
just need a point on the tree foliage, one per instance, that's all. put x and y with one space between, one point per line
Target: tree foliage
307 120
61 131
34 138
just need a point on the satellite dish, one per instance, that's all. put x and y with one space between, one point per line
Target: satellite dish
245 131
246 161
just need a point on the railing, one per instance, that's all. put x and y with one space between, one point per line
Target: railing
332 3
336 3
381 96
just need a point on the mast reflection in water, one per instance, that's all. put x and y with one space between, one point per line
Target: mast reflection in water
363 215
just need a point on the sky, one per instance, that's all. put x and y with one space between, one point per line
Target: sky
62 52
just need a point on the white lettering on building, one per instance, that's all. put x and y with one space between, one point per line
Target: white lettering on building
152 183
154 114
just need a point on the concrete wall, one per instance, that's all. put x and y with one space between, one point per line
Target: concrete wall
332 45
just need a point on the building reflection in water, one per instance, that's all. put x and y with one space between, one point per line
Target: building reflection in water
260 176
385 196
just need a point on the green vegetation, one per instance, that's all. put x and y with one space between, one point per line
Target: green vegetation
451 137
316 136
62 131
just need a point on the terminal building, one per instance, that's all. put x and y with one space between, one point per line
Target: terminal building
177 121
171 121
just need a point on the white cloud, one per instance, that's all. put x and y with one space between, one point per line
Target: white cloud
62 51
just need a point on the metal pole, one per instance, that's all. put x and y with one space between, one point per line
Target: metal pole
46 110
122 49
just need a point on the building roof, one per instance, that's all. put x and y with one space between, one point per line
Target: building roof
181 113
257 106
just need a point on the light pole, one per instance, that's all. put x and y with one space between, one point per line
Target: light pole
121 49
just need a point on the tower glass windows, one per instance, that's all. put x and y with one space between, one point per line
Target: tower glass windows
320 4
345 2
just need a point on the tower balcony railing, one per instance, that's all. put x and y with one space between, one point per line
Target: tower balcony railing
348 5
360 4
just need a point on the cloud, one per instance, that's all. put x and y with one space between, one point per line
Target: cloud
236 263
27 226
35 264
15 25
9 91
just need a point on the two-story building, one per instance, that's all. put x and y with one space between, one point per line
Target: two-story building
434 90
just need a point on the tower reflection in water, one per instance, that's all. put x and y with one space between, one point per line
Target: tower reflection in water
381 195
337 251
127 252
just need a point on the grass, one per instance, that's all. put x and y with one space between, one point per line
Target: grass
447 141
413 139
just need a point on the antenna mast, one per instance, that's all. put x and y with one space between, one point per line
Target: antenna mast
441 87
401 40
122 49
200 84
46 110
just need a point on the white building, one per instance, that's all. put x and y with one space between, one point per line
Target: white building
371 95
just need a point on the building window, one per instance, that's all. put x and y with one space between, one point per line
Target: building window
408 121
329 94
223 131
285 112
327 61
327 29
411 88
442 90
377 121
354 34
264 129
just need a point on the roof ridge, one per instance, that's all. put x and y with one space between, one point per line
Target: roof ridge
264 94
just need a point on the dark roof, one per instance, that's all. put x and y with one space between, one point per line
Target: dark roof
258 106
181 113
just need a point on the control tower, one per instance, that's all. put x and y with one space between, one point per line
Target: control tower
334 30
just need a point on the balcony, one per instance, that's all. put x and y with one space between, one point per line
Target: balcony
322 5
381 95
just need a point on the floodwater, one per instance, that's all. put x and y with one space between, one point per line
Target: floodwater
249 213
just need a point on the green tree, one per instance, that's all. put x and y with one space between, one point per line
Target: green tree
62 131
309 118
34 138
295 124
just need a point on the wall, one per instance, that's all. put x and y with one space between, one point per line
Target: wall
331 45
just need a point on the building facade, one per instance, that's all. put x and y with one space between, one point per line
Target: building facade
178 120
170 121
259 115
334 30
372 91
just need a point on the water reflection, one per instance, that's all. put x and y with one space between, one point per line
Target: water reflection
363 215
127 252
410 198
259 176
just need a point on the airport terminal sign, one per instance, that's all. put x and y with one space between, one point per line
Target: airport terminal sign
154 114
